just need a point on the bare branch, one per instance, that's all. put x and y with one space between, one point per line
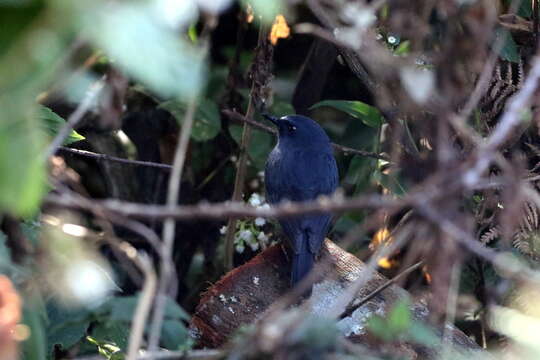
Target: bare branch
105 157
226 209
169 226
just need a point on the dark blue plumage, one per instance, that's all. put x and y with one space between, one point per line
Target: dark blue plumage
300 168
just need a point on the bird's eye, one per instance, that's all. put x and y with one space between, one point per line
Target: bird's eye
291 127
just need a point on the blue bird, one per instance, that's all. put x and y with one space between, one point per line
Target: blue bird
301 167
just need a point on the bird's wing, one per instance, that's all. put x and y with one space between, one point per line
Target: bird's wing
312 174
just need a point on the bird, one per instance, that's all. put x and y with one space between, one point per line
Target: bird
301 167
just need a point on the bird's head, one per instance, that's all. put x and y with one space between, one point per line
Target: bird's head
299 130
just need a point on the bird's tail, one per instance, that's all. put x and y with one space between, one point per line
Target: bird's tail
302 264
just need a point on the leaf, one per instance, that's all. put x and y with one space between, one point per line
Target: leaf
403 48
174 311
259 146
160 59
35 347
15 19
206 124
113 332
509 51
22 169
378 326
280 29
422 334
122 308
52 123
67 335
399 318
66 326
174 334
369 115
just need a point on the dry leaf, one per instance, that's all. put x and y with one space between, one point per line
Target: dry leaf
280 30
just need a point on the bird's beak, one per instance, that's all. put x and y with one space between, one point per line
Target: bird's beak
271 118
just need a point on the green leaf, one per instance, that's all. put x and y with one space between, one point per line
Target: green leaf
525 7
399 318
16 17
22 168
174 334
206 124
509 51
174 311
403 48
422 334
259 146
112 332
35 347
52 123
369 115
378 326
160 59
122 308
66 326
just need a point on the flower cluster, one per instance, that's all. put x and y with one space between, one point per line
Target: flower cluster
250 232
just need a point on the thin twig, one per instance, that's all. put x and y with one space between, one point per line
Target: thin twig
351 309
144 304
105 157
242 160
345 150
75 117
169 226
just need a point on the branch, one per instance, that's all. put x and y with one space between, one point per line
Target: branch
225 209
169 226
105 157
143 306
351 309
233 115
262 55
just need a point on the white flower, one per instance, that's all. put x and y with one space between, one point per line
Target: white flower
392 39
260 221
262 237
245 235
240 248
255 200
223 230
254 246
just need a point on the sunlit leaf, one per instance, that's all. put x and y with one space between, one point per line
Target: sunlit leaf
52 123
369 115
150 52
